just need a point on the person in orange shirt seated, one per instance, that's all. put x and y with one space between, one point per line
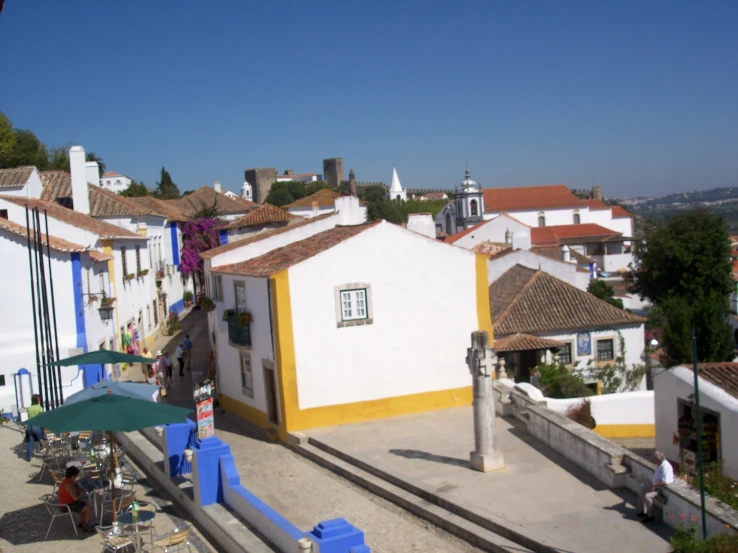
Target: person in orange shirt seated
70 494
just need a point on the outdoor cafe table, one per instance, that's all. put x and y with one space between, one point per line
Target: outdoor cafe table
126 519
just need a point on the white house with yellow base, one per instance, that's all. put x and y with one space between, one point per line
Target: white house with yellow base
346 325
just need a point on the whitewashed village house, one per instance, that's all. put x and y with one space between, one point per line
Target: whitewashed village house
313 321
319 203
114 182
537 316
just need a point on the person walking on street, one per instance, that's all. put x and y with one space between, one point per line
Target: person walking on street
160 368
179 354
144 366
168 367
187 351
34 433
662 477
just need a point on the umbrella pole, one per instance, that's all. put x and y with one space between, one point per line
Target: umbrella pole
114 465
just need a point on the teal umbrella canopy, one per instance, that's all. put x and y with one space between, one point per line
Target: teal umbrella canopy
136 390
109 413
101 357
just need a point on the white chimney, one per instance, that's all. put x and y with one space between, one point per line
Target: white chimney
316 209
350 211
218 188
565 254
92 169
422 223
80 193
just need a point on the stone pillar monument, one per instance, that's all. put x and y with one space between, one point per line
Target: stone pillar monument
481 360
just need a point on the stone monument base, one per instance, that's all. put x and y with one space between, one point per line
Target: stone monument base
486 462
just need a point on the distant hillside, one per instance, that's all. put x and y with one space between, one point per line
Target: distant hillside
723 201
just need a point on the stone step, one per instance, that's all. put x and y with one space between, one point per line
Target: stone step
468 531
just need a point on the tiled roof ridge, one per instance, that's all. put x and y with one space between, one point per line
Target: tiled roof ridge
56 243
307 200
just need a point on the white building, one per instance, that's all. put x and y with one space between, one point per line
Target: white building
290 175
676 420
319 203
396 192
246 192
113 182
531 308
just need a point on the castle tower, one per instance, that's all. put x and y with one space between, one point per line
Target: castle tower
333 172
261 181
396 192
246 191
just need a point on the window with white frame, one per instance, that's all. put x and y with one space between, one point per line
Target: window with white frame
247 375
353 304
565 354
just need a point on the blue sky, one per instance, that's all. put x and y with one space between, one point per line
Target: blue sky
639 96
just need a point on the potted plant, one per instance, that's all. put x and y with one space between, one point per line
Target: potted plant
93 298
244 319
228 313
107 301
129 276
142 273
187 296
207 304
159 275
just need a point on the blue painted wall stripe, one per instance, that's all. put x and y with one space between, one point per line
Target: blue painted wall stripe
223 235
79 310
175 244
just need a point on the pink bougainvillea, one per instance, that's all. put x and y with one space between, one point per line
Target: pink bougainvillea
198 236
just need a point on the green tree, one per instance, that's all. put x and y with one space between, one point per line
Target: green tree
59 159
684 267
387 210
601 289
165 187
92 156
28 150
375 193
315 186
279 195
7 140
134 190
556 381
296 188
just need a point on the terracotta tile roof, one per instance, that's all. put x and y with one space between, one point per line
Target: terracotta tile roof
325 198
595 205
491 248
619 212
80 220
525 300
206 195
110 174
282 258
58 244
525 342
264 215
160 207
434 195
17 176
571 234
96 255
723 375
554 252
261 236
103 203
529 198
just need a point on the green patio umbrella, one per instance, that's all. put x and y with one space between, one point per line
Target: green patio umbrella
109 413
101 357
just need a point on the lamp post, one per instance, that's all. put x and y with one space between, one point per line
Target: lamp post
650 347
698 415
481 361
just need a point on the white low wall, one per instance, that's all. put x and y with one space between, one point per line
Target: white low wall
634 409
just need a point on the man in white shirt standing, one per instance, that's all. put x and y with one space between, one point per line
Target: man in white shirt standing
662 476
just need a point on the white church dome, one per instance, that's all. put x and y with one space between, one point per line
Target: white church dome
468 183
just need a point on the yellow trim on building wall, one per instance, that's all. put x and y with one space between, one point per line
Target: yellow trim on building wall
293 419
484 315
626 430
251 414
107 247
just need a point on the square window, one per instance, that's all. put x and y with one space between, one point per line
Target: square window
565 354
605 350
2 380
353 305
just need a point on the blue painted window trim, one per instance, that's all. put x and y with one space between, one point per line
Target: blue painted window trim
175 244
223 236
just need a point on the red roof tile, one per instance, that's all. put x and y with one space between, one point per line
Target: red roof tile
110 174
723 375
17 176
80 220
58 244
560 234
264 215
325 198
619 212
160 207
529 198
525 342
282 258
525 300
206 196
595 204
261 236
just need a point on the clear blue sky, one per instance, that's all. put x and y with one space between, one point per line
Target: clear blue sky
641 96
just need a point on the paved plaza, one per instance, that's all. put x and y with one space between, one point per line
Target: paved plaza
24 519
539 493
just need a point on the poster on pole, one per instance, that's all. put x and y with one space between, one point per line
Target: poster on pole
204 401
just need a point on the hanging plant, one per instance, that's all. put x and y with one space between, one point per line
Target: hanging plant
143 272
107 301
228 313
129 276
207 304
244 319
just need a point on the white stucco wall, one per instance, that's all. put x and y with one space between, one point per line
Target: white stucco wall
229 364
553 216
567 272
611 409
493 231
677 383
309 213
410 347
634 346
116 184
